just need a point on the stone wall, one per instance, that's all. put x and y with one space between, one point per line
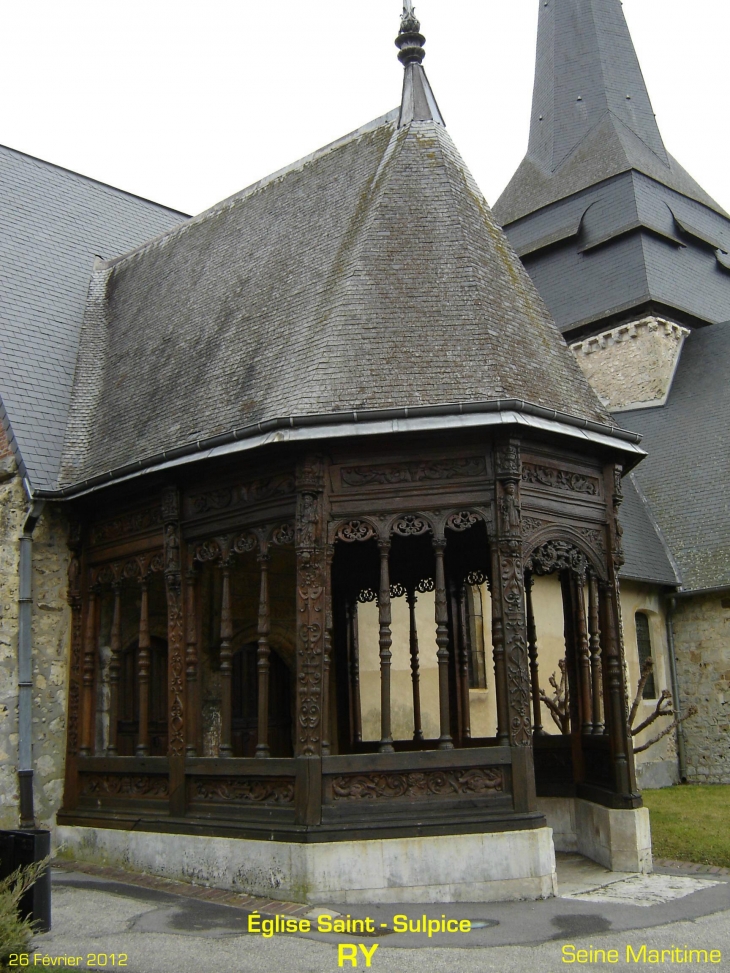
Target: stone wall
50 637
633 365
702 646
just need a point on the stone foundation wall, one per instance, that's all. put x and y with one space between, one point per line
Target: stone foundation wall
50 636
702 646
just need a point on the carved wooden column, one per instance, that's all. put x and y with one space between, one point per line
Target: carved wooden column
89 673
226 656
263 657
571 666
442 642
143 670
312 585
415 664
537 727
614 695
583 654
176 650
192 701
500 668
510 590
595 650
384 642
464 664
115 643
327 652
355 673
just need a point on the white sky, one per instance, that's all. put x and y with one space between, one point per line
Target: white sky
188 102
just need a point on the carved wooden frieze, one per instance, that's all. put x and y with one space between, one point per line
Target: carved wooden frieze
418 471
127 525
133 569
467 782
124 785
244 790
563 481
239 495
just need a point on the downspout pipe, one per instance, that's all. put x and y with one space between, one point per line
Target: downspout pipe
681 753
25 666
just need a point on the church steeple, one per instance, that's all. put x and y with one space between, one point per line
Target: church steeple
418 102
586 66
608 224
591 113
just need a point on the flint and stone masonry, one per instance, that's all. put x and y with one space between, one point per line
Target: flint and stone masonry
50 634
633 365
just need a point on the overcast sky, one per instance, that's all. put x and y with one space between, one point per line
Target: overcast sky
188 102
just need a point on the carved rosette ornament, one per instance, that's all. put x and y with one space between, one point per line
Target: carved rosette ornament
311 604
175 623
355 531
510 589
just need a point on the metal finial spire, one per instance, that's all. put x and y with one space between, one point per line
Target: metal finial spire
410 40
418 102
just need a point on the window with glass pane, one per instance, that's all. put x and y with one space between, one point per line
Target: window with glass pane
643 642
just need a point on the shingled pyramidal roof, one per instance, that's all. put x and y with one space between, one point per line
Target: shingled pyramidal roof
367 277
606 221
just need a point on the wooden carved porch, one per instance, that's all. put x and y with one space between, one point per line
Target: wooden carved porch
231 605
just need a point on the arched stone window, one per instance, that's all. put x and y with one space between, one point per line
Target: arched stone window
643 644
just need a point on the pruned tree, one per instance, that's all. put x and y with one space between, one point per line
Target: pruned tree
558 704
664 707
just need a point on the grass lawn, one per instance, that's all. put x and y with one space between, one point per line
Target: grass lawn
691 823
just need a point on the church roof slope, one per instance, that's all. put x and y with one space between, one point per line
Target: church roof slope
686 473
591 114
53 223
369 276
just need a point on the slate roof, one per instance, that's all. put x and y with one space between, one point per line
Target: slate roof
608 224
369 275
52 225
686 474
647 556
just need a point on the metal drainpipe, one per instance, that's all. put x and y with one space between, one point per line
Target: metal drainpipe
671 605
25 667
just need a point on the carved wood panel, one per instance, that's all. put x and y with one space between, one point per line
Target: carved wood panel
425 784
243 790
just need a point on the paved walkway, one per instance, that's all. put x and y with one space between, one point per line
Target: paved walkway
168 927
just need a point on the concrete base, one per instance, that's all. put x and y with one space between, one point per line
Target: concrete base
619 840
456 868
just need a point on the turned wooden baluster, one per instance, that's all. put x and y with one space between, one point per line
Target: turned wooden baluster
263 658
595 650
442 642
415 665
537 727
89 673
500 672
584 657
226 660
192 715
464 664
385 642
115 664
355 674
143 672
